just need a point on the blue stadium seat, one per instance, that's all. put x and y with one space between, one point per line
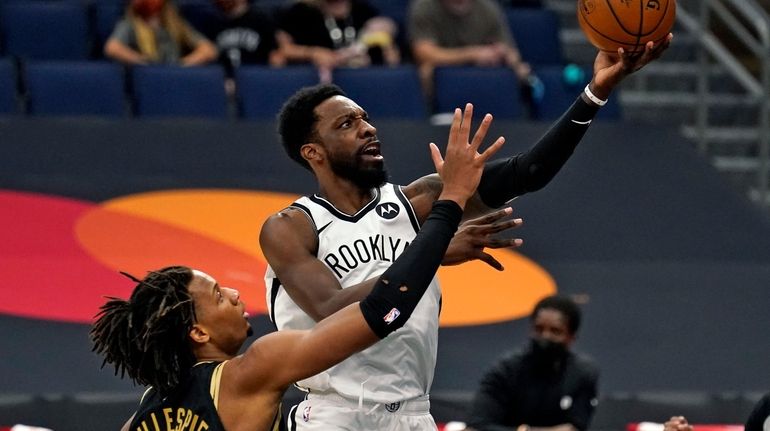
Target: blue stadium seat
384 92
8 103
561 88
537 35
173 91
199 13
75 88
272 7
262 90
395 9
493 90
45 30
107 13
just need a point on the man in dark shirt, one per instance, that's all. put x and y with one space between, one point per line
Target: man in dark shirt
545 385
244 35
337 33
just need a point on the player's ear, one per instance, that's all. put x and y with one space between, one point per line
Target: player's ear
312 152
199 334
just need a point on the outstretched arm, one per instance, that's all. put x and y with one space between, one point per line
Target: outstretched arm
504 179
532 170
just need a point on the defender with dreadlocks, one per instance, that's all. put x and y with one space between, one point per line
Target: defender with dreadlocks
180 332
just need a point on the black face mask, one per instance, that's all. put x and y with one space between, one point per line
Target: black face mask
548 352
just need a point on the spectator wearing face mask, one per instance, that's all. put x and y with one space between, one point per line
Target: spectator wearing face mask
545 386
153 32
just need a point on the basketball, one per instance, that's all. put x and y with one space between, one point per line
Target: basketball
630 24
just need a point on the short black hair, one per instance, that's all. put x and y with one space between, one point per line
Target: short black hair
297 119
146 337
565 306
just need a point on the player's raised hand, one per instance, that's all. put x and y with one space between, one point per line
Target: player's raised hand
611 68
461 167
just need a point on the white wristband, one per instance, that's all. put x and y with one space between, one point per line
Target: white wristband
593 97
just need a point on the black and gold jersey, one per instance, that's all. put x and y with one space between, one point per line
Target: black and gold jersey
192 406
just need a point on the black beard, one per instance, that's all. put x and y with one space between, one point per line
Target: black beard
362 176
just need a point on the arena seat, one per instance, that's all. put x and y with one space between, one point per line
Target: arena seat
384 92
493 90
75 88
8 103
262 90
537 35
45 30
559 93
395 9
199 13
106 14
173 91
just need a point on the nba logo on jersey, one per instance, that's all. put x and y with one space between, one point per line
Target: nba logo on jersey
388 210
306 414
391 316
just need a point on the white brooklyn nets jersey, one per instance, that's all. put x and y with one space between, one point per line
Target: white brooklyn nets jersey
355 248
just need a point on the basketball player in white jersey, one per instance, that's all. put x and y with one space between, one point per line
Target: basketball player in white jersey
325 251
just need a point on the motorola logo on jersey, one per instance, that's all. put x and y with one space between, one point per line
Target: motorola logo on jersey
75 248
388 210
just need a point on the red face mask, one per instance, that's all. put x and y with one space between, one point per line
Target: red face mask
147 8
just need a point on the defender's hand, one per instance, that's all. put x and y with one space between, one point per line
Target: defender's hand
475 235
461 170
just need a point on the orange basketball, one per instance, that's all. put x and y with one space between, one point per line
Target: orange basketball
630 24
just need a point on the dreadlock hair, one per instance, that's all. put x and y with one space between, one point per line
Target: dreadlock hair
565 306
297 119
146 337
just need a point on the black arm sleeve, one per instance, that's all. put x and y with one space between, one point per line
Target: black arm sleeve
400 288
505 179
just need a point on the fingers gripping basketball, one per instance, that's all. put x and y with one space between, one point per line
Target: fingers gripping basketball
630 24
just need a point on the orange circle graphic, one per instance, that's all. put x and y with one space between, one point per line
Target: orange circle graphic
75 249
170 226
